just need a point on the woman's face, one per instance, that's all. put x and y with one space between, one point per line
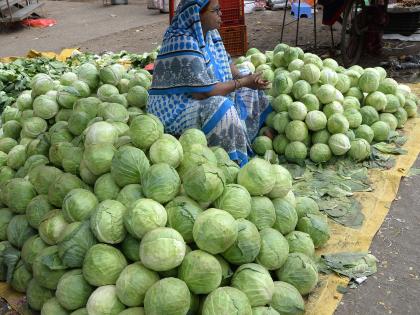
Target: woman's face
211 18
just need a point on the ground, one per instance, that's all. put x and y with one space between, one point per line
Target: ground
93 27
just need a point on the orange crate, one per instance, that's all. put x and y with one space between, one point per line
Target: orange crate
232 12
235 39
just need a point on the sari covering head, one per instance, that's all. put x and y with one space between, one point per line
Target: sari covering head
190 62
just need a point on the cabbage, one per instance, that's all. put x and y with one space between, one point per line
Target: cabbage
401 116
104 300
350 102
161 182
300 88
280 122
390 119
333 108
37 295
320 153
255 281
5 216
369 81
162 249
130 248
78 205
296 130
21 277
137 96
328 76
296 151
98 158
167 296
279 144
48 268
339 144
360 150
281 102
353 117
300 242
166 149
52 226
201 272
17 194
226 300
316 226
377 100
326 93
286 216
274 249
388 86
61 186
143 216
106 222
316 120
247 245
74 242
381 131
365 132
133 283
299 271
282 84
297 111
310 73
215 231
72 290
337 123
145 130
103 264
257 177
205 183
287 299
393 103
53 307
262 144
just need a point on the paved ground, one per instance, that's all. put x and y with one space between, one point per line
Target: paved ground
79 22
395 289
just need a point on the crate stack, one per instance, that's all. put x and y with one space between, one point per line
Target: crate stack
233 30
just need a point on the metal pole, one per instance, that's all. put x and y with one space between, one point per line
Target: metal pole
297 26
284 19
332 36
315 22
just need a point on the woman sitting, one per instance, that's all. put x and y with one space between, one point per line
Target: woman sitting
196 85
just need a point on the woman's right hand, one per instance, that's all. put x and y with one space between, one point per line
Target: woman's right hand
255 82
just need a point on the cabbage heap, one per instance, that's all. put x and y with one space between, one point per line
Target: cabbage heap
322 110
102 212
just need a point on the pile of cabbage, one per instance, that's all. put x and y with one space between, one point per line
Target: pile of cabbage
323 110
104 213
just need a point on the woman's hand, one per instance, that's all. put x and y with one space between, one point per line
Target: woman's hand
255 82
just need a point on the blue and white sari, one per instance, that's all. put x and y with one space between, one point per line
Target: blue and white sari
189 63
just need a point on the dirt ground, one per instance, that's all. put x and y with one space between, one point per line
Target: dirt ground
395 289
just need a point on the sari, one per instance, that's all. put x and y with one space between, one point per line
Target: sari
190 63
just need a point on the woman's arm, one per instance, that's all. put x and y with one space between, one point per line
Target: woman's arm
224 88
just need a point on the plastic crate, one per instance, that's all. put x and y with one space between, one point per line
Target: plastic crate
232 12
234 39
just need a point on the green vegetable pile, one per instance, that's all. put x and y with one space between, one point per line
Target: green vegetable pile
322 110
103 213
16 76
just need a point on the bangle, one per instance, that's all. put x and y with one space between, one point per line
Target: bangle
238 84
